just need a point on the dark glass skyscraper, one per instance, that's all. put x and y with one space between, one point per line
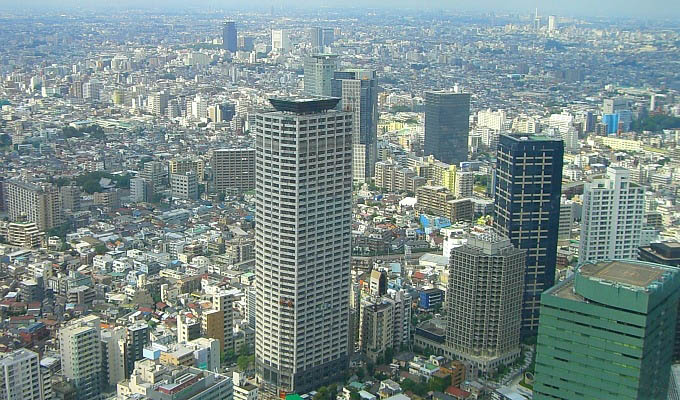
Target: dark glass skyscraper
447 123
527 210
229 36
358 91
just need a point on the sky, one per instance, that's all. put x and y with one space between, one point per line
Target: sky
615 8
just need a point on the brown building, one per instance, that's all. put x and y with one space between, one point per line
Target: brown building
212 326
233 170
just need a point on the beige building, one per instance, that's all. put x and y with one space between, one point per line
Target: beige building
440 201
37 203
394 178
484 302
24 234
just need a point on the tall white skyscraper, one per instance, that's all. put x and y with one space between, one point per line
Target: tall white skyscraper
20 376
280 40
81 355
611 222
302 242
319 70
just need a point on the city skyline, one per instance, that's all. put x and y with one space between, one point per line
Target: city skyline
579 8
284 203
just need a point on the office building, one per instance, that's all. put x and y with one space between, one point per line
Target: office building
229 36
447 125
33 203
316 39
319 74
552 23
174 382
182 165
302 243
605 333
280 40
527 210
233 170
81 356
484 302
666 253
612 218
184 186
20 377
246 43
358 93
141 190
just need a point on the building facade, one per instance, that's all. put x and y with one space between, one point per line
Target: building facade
233 170
36 203
20 377
302 243
527 210
358 91
605 333
484 301
229 36
81 356
319 74
612 218
447 125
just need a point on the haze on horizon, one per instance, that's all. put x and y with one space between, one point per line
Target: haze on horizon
661 9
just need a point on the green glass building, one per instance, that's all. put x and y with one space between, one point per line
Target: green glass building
608 333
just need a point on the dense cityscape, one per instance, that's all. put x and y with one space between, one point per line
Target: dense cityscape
338 204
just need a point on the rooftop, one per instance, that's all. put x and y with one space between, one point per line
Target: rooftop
624 272
304 105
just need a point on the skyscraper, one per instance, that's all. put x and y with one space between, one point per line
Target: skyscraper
81 356
316 39
612 218
606 333
20 376
302 243
280 40
319 74
358 91
527 210
229 36
484 301
447 124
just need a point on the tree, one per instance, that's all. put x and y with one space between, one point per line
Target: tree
243 351
100 249
244 362
354 395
